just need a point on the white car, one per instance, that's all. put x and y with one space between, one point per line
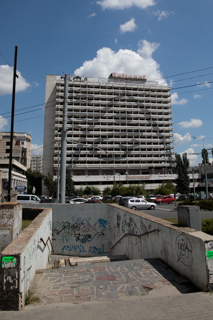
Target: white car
96 198
137 204
78 201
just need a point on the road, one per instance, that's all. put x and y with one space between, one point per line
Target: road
169 211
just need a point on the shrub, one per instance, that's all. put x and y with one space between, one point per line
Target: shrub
207 226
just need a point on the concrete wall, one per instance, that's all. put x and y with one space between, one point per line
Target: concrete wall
187 251
81 230
10 223
91 230
22 258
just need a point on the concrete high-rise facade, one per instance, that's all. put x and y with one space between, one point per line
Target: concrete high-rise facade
119 129
36 163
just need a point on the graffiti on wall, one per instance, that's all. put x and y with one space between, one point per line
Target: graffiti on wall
83 231
10 273
8 262
128 224
184 250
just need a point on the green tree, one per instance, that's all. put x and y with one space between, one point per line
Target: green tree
107 191
51 184
181 169
79 192
205 156
165 188
70 187
34 179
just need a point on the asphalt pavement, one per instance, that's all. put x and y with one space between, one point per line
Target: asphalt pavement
170 211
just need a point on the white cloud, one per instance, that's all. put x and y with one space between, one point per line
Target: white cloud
3 123
193 123
200 137
162 14
195 145
122 4
205 84
123 61
92 15
116 41
6 81
191 156
210 145
174 97
181 140
196 96
129 26
36 149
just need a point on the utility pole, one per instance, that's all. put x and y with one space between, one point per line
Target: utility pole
64 143
12 124
58 175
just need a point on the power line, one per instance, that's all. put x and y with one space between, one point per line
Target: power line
188 72
192 85
6 60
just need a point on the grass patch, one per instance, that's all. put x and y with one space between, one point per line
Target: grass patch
25 223
31 299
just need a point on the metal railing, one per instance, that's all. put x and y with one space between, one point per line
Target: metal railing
135 235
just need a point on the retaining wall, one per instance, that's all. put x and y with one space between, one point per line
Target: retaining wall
10 223
91 230
22 258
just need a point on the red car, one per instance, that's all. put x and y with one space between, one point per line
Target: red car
164 199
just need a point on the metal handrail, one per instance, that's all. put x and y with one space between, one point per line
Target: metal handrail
136 235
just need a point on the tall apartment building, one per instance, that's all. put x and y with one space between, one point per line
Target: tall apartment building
36 163
119 129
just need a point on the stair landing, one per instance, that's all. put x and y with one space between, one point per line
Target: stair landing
99 279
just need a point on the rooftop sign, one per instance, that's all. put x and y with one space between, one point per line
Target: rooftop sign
126 76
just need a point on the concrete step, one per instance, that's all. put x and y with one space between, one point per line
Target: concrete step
57 261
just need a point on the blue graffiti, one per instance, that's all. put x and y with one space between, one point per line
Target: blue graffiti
102 223
74 248
79 249
96 250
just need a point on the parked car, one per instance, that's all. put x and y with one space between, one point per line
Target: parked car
141 197
165 199
96 198
137 204
47 200
77 201
151 196
92 201
107 197
122 200
28 198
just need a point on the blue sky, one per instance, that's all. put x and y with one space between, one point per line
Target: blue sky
168 41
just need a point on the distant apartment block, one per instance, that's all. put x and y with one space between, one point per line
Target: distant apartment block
20 162
21 147
36 163
119 129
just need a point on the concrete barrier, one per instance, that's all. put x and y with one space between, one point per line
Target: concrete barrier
21 258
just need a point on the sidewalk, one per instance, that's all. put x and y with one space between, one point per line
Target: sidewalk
182 307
